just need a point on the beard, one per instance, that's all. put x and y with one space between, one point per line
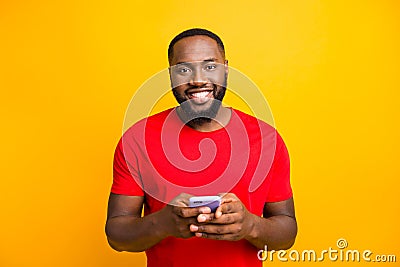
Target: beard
201 116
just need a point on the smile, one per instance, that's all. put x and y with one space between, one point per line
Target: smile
200 94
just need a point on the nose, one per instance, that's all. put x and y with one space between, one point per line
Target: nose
198 78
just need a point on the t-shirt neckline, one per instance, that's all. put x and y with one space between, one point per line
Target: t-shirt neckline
223 129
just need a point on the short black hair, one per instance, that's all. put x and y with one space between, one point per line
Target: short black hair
194 32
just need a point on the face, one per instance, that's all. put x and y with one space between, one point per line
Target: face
198 76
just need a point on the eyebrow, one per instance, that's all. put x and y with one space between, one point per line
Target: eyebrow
205 60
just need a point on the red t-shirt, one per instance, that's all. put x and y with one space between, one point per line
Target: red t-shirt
160 157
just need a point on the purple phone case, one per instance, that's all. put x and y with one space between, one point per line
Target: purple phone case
213 205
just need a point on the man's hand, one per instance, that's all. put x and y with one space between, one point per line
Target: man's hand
231 221
128 231
178 216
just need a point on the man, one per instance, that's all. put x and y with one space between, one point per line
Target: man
147 175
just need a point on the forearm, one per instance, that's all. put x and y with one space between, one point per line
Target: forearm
276 232
134 234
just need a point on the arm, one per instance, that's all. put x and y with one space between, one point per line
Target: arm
127 231
277 228
232 221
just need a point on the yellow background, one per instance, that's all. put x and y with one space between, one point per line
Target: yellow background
68 69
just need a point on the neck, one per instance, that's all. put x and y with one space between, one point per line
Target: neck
220 121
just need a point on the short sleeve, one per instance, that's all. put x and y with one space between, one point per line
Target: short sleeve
126 177
279 174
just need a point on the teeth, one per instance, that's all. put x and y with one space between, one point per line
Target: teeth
200 94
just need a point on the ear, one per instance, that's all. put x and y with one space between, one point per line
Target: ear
226 66
170 77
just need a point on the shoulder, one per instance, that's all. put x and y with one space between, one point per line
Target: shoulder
252 123
255 125
250 119
153 121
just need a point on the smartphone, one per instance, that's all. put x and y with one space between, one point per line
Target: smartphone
212 202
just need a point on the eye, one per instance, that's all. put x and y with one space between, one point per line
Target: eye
184 70
211 66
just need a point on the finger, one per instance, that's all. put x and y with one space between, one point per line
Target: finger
228 237
225 208
205 210
227 219
218 228
193 228
182 200
218 212
186 212
225 198
228 197
180 203
205 217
